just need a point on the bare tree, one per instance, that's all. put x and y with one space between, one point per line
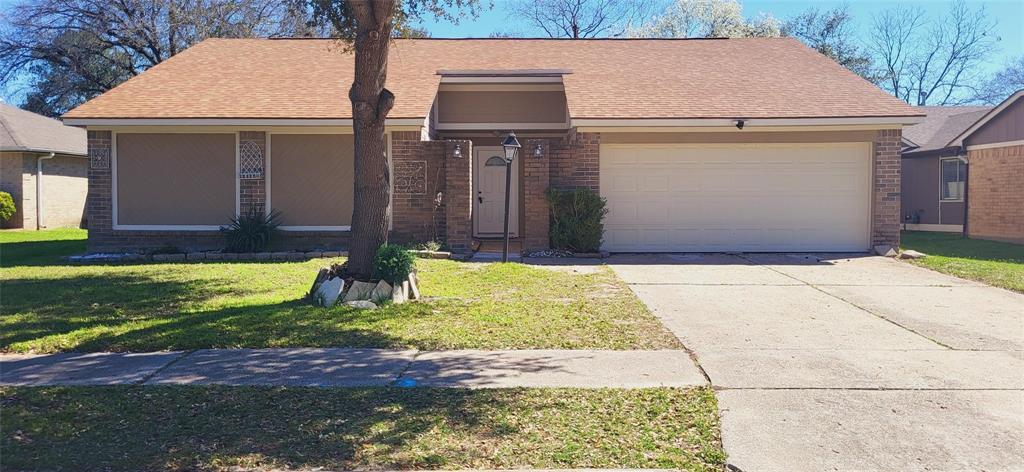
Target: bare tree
927 62
580 19
706 19
830 33
1002 84
368 26
72 50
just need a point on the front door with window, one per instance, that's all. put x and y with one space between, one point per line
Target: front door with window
489 193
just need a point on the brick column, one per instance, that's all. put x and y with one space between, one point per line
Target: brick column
459 196
536 176
885 220
575 163
252 190
419 174
99 202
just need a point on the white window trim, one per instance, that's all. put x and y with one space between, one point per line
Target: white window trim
115 225
951 200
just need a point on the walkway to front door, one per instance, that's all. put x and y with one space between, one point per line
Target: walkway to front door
489 189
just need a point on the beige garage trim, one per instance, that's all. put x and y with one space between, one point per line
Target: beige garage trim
174 181
310 180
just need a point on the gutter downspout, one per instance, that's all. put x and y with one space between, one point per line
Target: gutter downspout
39 189
967 193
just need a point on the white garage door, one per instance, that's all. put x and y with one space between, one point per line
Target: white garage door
737 197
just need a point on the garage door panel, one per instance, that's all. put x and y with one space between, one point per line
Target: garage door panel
737 197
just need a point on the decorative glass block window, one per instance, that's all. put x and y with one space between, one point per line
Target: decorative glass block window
99 158
953 173
250 160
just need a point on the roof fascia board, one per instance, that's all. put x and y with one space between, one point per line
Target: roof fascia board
417 122
503 80
748 123
498 126
504 72
959 140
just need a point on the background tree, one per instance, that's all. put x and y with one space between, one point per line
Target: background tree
706 19
368 26
580 19
932 62
830 33
73 50
1002 84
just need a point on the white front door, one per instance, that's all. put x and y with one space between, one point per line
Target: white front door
737 197
489 193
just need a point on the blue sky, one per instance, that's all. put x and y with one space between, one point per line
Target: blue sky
1008 13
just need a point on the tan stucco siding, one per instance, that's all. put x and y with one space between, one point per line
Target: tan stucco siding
739 136
1007 126
311 178
175 178
501 107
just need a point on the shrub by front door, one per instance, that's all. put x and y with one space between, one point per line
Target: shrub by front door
489 193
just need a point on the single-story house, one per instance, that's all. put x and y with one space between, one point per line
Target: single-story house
43 166
697 144
995 172
934 172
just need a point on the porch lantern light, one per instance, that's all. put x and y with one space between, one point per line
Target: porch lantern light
511 146
538 151
457 152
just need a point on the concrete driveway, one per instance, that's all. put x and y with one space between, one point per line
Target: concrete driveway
846 363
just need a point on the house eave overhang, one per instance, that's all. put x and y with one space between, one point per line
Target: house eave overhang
668 124
257 122
42 151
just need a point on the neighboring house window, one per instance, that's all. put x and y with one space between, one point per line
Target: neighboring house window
953 173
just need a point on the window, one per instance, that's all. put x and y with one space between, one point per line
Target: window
953 173
495 161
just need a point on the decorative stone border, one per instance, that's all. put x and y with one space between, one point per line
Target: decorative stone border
214 256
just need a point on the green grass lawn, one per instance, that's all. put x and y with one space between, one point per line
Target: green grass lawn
48 307
222 428
991 262
19 247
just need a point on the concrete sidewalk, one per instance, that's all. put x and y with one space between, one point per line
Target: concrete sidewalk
336 367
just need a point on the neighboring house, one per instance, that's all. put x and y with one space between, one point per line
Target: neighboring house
995 172
934 172
698 145
43 166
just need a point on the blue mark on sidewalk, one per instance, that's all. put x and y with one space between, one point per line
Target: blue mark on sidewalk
405 382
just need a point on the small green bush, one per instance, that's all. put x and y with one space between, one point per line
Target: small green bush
252 231
7 208
577 219
393 263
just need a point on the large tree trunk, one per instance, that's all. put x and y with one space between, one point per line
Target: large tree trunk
371 103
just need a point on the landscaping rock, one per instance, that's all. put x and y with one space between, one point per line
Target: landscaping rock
214 256
885 250
331 253
414 289
359 291
398 293
912 254
381 292
328 292
321 276
362 304
196 256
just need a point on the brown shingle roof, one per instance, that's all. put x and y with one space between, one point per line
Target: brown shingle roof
727 78
940 125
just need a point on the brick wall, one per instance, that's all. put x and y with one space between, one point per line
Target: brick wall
995 194
885 224
536 178
252 191
11 169
103 238
458 196
575 161
417 203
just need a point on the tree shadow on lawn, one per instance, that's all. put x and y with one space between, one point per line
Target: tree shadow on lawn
138 313
213 428
39 253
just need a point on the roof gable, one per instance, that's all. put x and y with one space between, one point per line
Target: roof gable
621 79
986 118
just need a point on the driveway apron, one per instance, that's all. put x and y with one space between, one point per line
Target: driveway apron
846 362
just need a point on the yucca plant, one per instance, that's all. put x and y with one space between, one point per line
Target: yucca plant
252 231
